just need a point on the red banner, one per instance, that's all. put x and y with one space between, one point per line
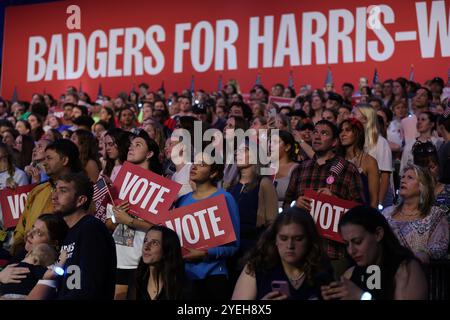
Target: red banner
13 202
148 193
202 225
120 44
327 211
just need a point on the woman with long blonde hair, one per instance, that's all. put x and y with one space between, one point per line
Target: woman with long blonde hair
377 147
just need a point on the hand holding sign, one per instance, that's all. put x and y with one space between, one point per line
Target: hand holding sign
121 216
327 211
304 203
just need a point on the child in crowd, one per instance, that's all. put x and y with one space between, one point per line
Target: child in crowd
37 261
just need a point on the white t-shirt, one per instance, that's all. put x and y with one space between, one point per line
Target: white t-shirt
409 128
394 132
382 153
20 177
128 244
182 177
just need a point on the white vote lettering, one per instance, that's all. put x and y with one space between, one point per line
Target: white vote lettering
17 204
141 191
196 226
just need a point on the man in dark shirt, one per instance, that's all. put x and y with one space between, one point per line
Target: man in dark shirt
89 253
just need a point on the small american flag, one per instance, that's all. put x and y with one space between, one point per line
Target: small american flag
337 168
100 190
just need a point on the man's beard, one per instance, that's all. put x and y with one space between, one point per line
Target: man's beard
66 212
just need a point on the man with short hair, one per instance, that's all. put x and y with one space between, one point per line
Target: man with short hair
185 106
143 90
334 101
88 252
420 103
147 110
325 173
67 115
61 157
347 92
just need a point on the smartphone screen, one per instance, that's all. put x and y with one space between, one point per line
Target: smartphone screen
281 286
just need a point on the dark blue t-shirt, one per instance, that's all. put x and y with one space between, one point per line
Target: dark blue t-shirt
91 262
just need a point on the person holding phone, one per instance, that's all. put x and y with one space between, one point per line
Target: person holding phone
288 261
384 270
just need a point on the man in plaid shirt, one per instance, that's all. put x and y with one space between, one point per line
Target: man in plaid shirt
326 173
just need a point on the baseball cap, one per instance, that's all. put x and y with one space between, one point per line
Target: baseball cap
199 108
438 80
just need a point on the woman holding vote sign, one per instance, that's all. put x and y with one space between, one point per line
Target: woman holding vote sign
129 233
207 269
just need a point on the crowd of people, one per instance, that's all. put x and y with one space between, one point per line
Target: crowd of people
387 147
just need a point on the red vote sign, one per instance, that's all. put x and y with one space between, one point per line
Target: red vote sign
327 211
280 101
148 193
202 225
12 202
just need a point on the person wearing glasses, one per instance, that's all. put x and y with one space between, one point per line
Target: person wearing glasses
326 173
47 229
160 274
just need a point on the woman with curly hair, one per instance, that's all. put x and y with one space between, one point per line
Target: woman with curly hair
289 251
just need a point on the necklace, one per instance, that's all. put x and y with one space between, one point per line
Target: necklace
412 214
302 274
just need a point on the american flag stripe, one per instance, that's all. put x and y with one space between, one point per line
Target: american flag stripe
100 189
337 168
